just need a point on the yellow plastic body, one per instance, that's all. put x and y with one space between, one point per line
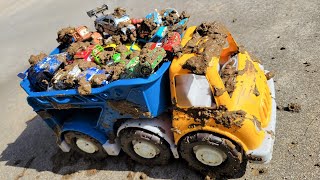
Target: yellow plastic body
252 79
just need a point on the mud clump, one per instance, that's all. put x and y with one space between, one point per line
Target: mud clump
115 71
218 91
121 49
269 75
98 79
171 18
193 65
65 35
77 46
207 41
84 65
119 12
34 59
105 56
229 118
147 28
293 107
115 39
84 87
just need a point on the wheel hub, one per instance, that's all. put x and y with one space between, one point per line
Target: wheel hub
209 155
86 146
145 149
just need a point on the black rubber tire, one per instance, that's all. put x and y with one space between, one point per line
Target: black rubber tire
100 29
233 166
71 138
130 134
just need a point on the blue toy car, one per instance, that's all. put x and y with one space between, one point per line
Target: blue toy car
41 73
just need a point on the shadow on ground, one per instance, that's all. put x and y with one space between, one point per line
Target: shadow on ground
36 149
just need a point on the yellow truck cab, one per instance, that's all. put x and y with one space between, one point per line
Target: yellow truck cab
225 115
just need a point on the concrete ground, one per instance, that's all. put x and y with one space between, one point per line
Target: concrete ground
28 149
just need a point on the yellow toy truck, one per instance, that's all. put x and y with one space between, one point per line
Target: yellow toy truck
226 114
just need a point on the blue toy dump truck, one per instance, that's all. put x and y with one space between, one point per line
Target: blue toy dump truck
216 116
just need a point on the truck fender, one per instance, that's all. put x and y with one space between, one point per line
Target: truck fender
85 128
161 127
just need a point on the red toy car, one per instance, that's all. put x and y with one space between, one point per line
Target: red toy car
173 39
85 54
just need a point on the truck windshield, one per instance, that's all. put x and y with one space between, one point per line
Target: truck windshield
193 90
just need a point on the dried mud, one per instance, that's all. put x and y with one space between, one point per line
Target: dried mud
269 75
65 34
171 18
256 91
119 12
98 79
84 87
228 76
145 54
77 46
34 59
105 56
147 28
249 67
115 71
207 41
291 107
126 107
218 91
220 115
84 65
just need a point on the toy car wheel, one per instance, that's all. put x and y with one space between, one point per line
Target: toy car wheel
145 71
100 29
213 155
145 147
85 145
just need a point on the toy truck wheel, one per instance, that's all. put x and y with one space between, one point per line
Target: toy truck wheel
85 145
145 147
213 155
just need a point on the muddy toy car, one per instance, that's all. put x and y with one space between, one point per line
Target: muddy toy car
109 23
41 73
70 34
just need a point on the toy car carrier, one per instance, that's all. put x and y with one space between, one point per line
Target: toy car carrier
169 114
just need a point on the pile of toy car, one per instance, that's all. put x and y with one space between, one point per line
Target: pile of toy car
121 48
